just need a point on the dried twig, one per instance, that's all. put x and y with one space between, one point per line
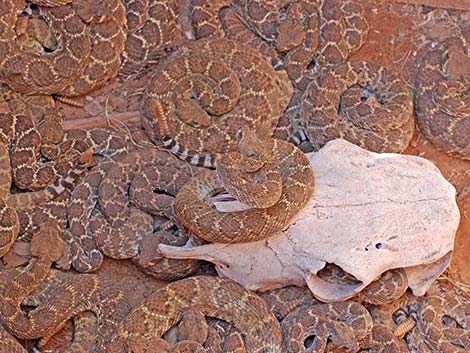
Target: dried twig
130 118
445 4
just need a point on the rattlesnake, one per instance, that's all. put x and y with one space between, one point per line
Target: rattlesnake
315 327
21 145
342 325
271 176
53 210
40 108
19 134
39 111
382 340
107 28
153 31
302 37
211 88
252 321
90 38
361 102
94 303
443 322
215 298
26 71
11 342
20 212
84 254
194 331
282 301
442 98
85 293
93 41
153 193
391 285
295 33
429 307
437 322
123 186
116 154
24 148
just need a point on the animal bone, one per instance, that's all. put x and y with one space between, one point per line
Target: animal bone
370 212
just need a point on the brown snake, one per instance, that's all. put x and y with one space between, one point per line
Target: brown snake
442 99
123 227
19 134
20 140
40 108
311 326
437 322
90 41
26 71
214 297
299 37
293 32
302 37
153 31
84 254
361 102
69 295
211 88
271 176
443 322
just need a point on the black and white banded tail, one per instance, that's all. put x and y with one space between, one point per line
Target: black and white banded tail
67 181
298 137
207 159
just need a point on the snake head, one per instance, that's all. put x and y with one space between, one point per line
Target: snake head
86 157
290 33
51 128
255 145
47 243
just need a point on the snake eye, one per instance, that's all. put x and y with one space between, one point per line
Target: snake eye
252 155
239 134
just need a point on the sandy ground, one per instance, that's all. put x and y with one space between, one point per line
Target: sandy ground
399 35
